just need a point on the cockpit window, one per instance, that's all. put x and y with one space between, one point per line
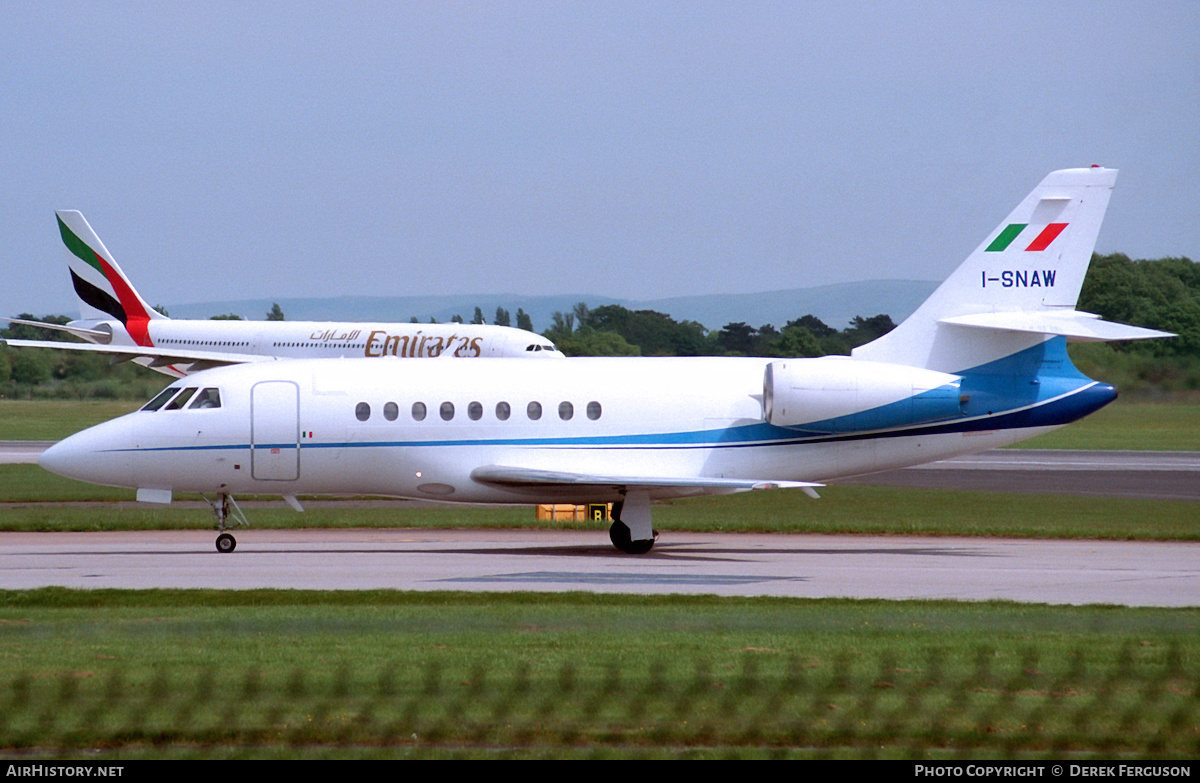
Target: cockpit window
207 398
181 400
161 399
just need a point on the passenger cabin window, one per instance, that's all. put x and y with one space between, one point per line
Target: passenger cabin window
362 411
446 410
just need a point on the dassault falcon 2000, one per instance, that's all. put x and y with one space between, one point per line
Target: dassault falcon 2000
981 364
116 320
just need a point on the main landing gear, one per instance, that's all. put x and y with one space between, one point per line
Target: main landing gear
631 531
222 508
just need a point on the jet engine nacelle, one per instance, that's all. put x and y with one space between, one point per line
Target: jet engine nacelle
835 395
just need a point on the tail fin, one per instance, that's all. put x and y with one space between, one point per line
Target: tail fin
102 288
1019 287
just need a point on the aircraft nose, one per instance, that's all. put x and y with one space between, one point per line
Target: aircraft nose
63 458
96 455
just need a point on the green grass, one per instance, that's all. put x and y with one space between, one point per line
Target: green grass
112 675
1133 426
56 419
294 674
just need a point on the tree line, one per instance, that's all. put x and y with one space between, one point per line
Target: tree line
1160 294
613 330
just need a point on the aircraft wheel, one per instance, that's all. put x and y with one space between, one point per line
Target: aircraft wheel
619 534
226 543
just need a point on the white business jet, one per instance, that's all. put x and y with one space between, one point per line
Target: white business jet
981 364
116 320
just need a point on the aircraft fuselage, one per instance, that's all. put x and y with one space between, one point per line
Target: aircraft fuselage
443 430
325 339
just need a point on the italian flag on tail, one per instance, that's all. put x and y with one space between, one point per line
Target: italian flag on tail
1013 230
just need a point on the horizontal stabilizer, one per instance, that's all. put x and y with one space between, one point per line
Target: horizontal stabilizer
529 477
1072 324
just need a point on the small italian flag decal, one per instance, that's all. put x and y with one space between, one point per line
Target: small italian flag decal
1013 230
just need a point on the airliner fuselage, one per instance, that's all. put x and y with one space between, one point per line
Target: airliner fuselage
327 339
118 322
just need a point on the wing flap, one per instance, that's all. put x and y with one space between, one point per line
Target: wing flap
533 477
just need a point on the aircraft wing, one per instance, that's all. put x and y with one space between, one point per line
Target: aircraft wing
533 478
159 357
87 334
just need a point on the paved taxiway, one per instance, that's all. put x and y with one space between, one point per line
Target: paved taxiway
810 566
1162 475
1159 475
22 451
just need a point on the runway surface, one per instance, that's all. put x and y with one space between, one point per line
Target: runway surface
807 566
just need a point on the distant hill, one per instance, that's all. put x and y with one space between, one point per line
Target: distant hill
836 305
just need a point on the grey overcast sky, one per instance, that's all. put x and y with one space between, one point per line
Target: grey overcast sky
228 150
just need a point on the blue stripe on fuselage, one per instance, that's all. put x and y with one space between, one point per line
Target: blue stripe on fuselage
1038 387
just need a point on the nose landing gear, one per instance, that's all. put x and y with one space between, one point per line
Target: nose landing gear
222 508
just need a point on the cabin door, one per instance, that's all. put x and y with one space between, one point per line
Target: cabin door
275 431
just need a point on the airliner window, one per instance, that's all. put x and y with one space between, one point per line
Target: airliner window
565 411
418 411
181 400
207 398
593 410
475 411
391 411
534 410
447 411
161 399
503 411
362 411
